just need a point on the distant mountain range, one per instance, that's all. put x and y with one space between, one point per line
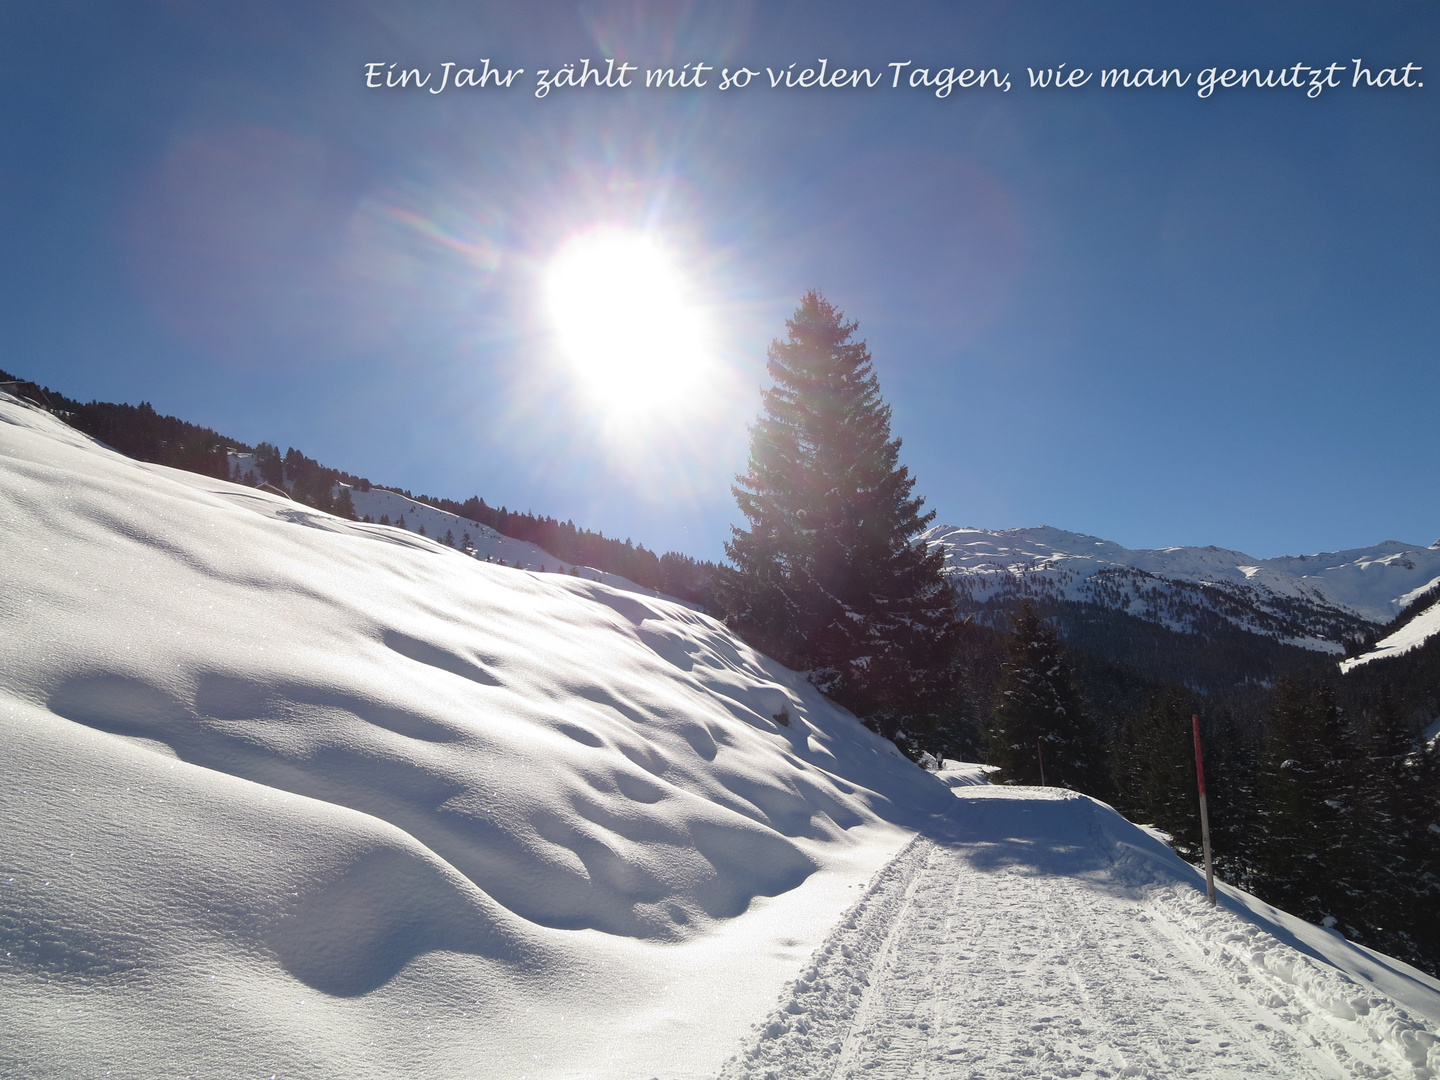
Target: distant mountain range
1332 602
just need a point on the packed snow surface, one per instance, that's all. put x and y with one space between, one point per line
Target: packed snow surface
1310 600
286 795
1048 937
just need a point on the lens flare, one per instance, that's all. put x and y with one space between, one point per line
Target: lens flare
626 321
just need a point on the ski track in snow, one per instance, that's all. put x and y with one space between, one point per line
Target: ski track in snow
973 958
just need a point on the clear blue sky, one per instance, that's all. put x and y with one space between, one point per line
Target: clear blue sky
1159 318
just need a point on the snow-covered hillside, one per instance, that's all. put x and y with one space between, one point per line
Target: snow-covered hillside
288 795
282 788
1414 633
475 539
1311 600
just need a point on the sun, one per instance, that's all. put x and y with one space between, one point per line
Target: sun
626 321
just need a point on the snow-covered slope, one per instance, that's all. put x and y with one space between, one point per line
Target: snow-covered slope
283 793
287 795
1414 633
1311 600
483 542
475 539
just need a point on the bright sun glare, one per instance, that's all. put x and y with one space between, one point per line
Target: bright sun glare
626 320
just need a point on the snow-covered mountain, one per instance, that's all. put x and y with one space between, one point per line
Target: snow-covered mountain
1318 601
289 795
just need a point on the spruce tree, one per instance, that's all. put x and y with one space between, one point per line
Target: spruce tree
829 577
1038 712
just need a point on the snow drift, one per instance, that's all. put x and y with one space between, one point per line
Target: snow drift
248 737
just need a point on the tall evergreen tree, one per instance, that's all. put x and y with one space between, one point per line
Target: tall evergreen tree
1038 712
829 576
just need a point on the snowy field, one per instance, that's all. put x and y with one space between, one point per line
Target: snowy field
285 795
292 795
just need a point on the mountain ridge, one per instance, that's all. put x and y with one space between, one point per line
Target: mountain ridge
1327 602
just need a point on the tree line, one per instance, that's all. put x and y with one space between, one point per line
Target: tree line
672 573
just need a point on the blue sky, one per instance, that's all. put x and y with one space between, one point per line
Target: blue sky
1158 318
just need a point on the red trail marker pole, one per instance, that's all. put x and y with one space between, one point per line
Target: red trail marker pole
1204 812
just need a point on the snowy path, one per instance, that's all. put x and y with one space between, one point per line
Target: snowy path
1034 946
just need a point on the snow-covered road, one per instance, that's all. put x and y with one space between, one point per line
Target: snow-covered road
1042 942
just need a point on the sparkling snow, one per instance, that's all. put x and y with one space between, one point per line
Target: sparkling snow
286 795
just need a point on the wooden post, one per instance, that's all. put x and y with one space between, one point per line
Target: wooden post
1040 753
1204 812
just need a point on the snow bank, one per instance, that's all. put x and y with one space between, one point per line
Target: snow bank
277 783
1333 967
